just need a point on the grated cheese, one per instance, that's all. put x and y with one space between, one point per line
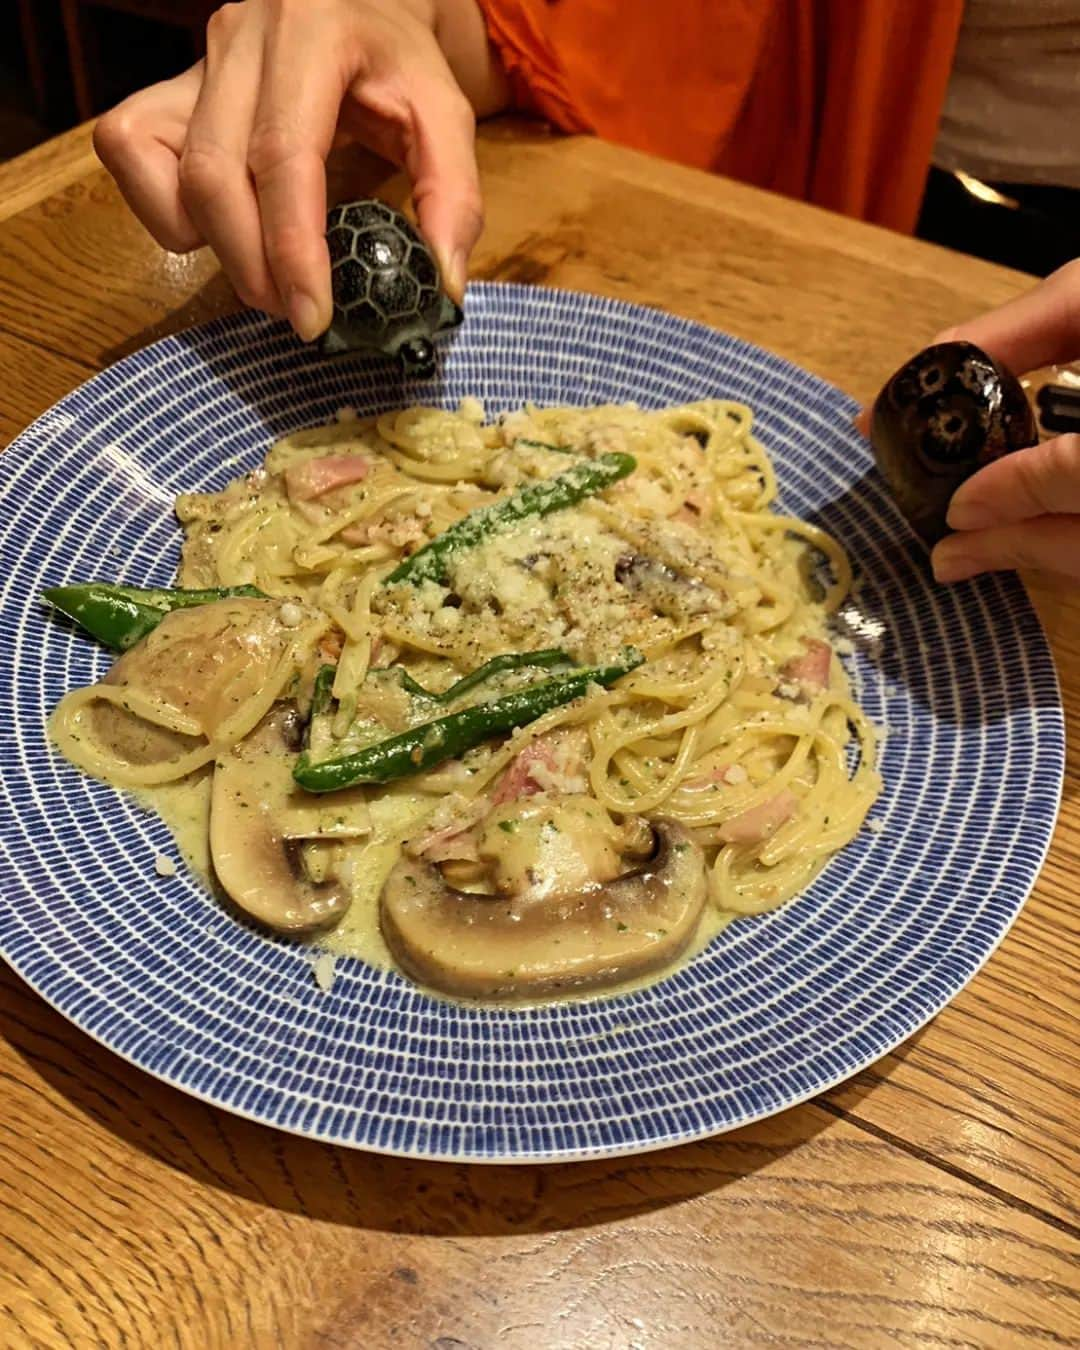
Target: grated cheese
323 970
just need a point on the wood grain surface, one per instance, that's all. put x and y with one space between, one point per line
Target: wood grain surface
932 1201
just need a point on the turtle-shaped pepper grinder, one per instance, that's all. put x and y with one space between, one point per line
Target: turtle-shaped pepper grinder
943 415
387 290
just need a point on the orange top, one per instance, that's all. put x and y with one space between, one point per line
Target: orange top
833 101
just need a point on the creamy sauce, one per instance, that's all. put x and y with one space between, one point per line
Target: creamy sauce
712 924
185 809
726 618
394 816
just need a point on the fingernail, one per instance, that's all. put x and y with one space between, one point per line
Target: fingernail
305 315
964 515
457 275
951 565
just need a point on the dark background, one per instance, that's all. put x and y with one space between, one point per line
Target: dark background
62 61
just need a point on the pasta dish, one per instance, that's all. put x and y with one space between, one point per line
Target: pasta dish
525 707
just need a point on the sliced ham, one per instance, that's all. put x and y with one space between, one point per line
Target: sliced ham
315 476
755 825
812 668
518 780
330 648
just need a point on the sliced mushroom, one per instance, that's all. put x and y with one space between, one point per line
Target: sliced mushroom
528 946
260 826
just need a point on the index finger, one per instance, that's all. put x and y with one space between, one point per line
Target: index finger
418 117
140 143
440 159
291 136
1038 328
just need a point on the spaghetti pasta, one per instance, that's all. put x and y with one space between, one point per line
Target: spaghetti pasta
739 726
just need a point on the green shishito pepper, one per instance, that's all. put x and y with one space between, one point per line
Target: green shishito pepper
448 737
321 690
120 615
321 699
585 479
549 656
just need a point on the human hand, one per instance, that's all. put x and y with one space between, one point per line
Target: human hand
232 153
1023 510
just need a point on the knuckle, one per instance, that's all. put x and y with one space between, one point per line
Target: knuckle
115 134
271 145
1067 449
1035 475
1067 279
287 248
472 203
250 283
246 293
1070 273
1019 550
202 172
1050 475
453 109
223 23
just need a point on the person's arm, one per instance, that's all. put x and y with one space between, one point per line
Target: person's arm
1024 509
232 153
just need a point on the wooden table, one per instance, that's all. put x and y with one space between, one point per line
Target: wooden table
932 1201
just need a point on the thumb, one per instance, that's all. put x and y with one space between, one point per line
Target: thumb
440 159
431 132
